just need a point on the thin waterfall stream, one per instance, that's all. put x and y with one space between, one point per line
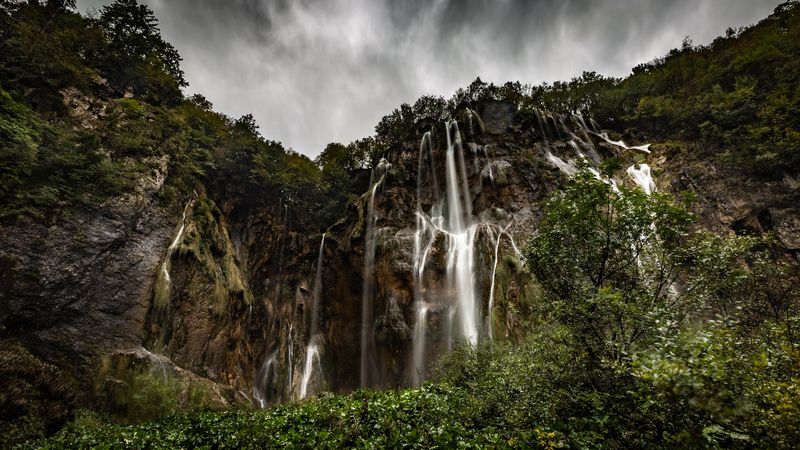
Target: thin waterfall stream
313 347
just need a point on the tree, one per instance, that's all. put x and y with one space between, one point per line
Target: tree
136 56
622 269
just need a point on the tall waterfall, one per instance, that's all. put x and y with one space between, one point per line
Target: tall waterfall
368 351
317 292
460 260
449 223
423 231
313 347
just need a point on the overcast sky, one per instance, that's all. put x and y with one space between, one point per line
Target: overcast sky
313 72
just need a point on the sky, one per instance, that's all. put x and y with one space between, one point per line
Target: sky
313 72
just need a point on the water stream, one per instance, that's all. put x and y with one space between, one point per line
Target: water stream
313 347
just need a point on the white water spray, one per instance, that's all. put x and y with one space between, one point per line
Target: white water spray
290 360
368 356
642 177
312 356
313 347
418 351
264 378
173 246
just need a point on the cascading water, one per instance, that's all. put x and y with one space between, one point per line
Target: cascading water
504 231
290 362
368 352
423 230
449 223
317 293
264 378
642 177
566 167
312 356
604 136
418 351
164 282
555 124
313 347
472 117
460 259
541 128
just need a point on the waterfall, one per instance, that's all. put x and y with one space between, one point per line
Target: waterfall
458 212
473 115
312 349
460 234
567 168
174 245
368 357
460 258
264 378
312 355
555 124
504 231
642 178
317 293
541 128
424 229
163 283
604 136
454 298
290 360
418 352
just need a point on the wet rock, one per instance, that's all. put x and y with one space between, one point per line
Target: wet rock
786 224
498 116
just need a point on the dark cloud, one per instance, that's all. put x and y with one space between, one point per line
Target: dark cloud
313 72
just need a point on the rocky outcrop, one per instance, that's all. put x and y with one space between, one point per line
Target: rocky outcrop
80 286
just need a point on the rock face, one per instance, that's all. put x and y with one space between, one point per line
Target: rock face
81 288
219 287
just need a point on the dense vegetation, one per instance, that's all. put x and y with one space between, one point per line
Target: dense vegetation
88 105
649 334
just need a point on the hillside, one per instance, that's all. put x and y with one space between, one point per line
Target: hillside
605 263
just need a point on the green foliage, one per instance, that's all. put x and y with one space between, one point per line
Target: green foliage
150 395
344 172
736 94
20 137
135 56
43 48
45 166
417 418
607 262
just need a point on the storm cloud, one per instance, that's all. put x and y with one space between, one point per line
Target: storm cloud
313 72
